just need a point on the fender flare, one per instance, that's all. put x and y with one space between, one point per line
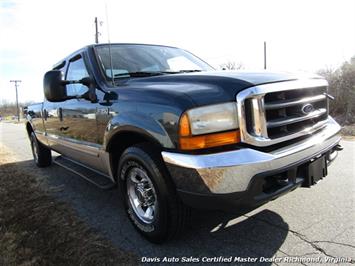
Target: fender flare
140 124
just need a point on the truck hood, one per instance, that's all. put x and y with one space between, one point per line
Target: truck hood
211 87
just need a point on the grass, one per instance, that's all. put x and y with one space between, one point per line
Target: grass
35 229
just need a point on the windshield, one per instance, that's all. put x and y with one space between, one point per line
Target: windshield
129 59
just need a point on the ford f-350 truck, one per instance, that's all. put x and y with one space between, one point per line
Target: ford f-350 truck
173 133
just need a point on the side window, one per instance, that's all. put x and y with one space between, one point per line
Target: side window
76 71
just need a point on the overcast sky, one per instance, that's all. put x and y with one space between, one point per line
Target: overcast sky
300 35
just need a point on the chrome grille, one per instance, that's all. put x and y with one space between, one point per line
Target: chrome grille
277 112
291 111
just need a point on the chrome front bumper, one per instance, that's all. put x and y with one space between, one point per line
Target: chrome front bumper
232 171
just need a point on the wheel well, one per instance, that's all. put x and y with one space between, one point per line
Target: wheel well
29 129
122 141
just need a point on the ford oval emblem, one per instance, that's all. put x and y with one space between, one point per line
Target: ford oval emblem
307 108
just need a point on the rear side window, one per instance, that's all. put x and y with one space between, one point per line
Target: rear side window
76 71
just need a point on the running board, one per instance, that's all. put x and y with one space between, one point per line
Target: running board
94 177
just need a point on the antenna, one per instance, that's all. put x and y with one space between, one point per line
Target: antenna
264 55
96 31
109 46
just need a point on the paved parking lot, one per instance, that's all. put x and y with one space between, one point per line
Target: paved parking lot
306 224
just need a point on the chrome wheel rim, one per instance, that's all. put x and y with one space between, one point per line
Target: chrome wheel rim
141 195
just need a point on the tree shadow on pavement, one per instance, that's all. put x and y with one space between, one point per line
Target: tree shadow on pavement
209 234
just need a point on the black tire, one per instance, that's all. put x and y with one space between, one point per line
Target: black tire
41 154
170 215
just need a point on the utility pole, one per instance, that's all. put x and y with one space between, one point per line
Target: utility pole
17 109
264 55
96 31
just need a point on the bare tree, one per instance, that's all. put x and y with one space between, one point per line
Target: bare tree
342 87
231 65
9 108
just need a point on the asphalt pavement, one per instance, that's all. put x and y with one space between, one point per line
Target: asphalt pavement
306 226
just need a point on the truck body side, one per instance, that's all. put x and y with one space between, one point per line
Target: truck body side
286 137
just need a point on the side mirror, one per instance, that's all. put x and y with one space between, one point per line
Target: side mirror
54 87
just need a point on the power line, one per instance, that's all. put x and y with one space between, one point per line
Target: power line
16 81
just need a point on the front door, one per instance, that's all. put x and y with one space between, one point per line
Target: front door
78 131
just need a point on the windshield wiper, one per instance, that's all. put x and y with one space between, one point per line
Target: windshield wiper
152 73
189 70
180 71
138 74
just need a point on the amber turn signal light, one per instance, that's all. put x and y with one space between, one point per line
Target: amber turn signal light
210 140
184 129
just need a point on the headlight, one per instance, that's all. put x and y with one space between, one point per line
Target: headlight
198 124
214 118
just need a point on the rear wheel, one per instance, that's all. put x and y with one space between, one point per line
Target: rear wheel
149 197
41 154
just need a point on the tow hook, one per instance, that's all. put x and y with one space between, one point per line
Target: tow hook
333 153
338 147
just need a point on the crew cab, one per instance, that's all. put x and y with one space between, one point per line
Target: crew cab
174 134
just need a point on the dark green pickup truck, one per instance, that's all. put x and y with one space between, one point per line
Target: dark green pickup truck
174 134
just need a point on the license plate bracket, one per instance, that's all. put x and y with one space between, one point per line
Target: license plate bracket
315 171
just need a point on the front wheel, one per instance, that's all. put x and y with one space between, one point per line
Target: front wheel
148 194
